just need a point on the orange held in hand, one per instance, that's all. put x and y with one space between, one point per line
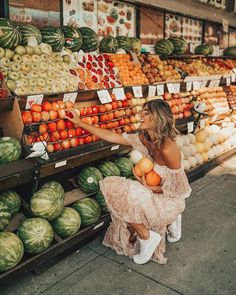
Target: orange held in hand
137 171
145 165
152 178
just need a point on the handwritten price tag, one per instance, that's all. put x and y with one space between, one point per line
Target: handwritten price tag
197 85
170 87
204 83
176 87
137 90
233 78
234 70
61 164
228 81
160 90
119 93
70 97
104 96
151 91
212 83
189 86
115 147
190 126
33 99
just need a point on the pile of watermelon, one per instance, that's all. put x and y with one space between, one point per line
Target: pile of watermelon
10 150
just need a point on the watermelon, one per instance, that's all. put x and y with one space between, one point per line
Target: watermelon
202 49
108 44
73 38
124 43
10 149
180 46
68 223
89 211
10 35
230 51
109 169
47 203
90 39
136 44
88 179
5 216
55 186
211 49
101 201
28 31
11 251
12 200
36 235
53 36
125 165
164 47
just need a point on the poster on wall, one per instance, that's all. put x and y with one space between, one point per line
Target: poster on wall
38 13
151 25
212 34
116 19
232 37
78 13
187 28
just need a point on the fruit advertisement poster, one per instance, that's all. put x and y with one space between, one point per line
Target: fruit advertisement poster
116 18
232 37
187 28
40 14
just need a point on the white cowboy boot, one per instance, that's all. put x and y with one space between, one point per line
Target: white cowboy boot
147 248
174 230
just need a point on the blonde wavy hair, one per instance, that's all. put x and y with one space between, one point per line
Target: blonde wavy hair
163 121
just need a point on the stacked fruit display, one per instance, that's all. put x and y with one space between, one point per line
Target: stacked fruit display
215 99
157 70
130 73
231 96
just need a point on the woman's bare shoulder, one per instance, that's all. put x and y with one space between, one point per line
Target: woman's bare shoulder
170 154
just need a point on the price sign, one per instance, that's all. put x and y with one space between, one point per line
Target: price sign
98 225
202 124
176 88
60 164
189 86
137 90
104 96
204 83
115 147
228 81
212 83
160 90
234 70
151 91
190 126
233 78
33 99
119 93
197 85
170 87
217 83
70 97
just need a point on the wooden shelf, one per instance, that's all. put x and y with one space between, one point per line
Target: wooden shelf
6 104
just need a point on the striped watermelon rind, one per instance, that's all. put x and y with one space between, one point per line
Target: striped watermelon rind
10 35
73 38
124 43
30 31
55 186
12 200
5 216
108 45
90 39
101 201
36 235
68 223
10 150
11 250
164 47
89 211
88 179
108 168
53 36
47 203
125 165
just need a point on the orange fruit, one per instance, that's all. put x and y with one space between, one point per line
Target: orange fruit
152 178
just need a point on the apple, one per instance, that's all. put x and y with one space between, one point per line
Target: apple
117 114
43 65
31 90
57 147
88 139
61 113
95 109
53 115
4 71
95 138
108 107
63 134
102 109
45 116
49 89
69 105
46 106
61 125
110 116
21 91
104 118
124 103
43 74
55 136
103 126
9 53
20 50
71 133
29 49
27 117
36 108
36 117
128 112
35 58
121 122
50 81
66 59
127 121
14 76
95 119
11 85
37 50
41 82
74 142
81 140
2 52
127 129
23 75
69 124
43 128
32 82
114 105
52 126
17 58
61 104
25 67
44 57
79 131
26 58
50 148
5 62
119 131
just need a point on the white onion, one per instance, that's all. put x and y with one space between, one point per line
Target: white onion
179 140
186 140
199 159
135 156
186 165
185 150
192 162
192 149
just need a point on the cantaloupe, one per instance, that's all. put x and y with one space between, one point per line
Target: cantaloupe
200 147
205 157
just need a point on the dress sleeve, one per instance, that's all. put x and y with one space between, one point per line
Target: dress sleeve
134 140
176 184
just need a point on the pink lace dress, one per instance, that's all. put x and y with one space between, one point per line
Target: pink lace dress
130 202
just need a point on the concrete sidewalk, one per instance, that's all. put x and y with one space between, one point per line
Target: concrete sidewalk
203 262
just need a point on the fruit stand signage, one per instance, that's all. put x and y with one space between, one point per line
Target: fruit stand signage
104 96
70 97
189 86
190 126
170 87
119 93
151 91
197 85
160 89
137 91
33 99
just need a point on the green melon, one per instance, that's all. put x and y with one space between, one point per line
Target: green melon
73 38
11 251
47 203
88 179
36 235
10 35
180 46
12 200
55 186
10 150
89 211
108 45
164 47
5 216
68 223
202 49
90 39
125 165
136 44
101 201
108 168
54 37
124 43
28 31
230 51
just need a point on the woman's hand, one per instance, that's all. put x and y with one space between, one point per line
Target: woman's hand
75 119
142 180
137 177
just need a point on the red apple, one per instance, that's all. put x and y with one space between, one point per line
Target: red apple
128 112
61 114
55 106
103 126
36 117
81 140
88 139
69 105
45 116
104 118
124 103
95 109
89 111
79 131
52 126
55 136
121 122
69 124
74 142
50 148
30 139
61 125
83 111
108 107
127 121
119 131
63 134
66 144
53 115
27 117
46 136
61 104
43 128
114 105
46 106
119 103
36 108
95 138
102 109
127 129
95 120
117 114
110 116
57 147
71 133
